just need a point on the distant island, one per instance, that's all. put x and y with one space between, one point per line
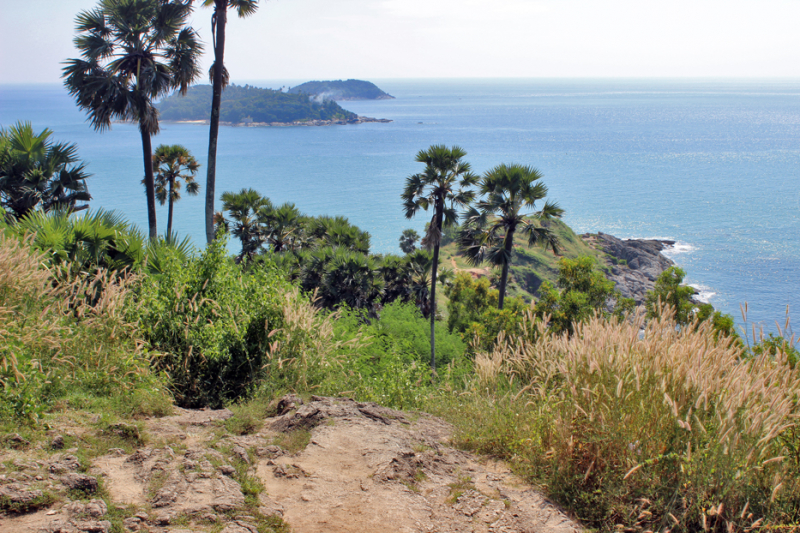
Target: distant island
253 106
339 90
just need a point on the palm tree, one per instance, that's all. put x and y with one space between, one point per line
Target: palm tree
488 233
170 161
443 186
34 172
243 207
282 227
408 241
133 52
219 79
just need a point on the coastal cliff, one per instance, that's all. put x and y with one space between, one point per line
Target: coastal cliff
634 264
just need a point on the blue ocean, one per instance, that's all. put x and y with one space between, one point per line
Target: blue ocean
713 165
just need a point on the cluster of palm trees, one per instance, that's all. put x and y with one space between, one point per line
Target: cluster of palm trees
493 208
325 255
136 51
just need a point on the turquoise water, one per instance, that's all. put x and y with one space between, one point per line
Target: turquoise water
711 164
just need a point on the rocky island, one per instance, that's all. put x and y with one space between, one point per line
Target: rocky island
339 90
253 106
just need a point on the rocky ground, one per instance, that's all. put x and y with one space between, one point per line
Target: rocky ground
327 465
638 263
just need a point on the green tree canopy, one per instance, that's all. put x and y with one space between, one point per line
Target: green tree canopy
36 173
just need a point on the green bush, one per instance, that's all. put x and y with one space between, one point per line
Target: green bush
212 322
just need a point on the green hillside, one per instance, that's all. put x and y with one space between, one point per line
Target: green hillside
243 102
531 265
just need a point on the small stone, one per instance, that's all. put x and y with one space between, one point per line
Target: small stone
241 454
16 494
227 470
163 519
116 452
15 440
131 523
103 526
81 482
57 443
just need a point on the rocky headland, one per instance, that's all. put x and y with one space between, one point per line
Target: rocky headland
634 264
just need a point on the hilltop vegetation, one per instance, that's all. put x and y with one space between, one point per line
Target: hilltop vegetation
532 265
260 105
341 90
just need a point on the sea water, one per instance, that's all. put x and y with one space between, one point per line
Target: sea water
711 164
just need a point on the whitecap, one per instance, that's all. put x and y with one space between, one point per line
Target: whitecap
678 248
704 294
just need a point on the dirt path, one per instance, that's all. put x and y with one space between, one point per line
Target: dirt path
365 468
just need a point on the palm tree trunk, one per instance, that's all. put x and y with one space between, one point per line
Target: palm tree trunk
509 246
171 203
149 182
434 269
211 177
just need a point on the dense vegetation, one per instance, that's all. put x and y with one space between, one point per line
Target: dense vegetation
680 425
658 419
260 105
341 90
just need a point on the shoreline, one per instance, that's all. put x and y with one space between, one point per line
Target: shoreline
315 122
634 264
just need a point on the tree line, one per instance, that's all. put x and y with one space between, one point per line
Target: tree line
255 103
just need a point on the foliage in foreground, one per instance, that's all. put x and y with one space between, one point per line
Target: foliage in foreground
665 429
36 173
64 340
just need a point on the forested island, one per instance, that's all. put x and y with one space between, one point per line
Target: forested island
340 90
248 105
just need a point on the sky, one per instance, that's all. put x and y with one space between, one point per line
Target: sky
374 39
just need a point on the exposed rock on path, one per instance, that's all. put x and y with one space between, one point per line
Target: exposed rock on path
366 468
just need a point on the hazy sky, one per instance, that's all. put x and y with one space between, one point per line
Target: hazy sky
324 39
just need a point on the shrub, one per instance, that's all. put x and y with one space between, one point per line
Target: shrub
211 321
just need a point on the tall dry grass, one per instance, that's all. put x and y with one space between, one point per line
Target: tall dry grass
62 334
650 427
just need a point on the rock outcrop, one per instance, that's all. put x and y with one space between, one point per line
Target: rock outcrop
636 263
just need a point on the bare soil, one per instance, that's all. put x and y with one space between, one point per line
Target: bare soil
365 468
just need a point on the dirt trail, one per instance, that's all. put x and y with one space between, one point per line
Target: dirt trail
366 468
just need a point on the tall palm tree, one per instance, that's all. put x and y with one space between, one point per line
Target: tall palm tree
443 187
133 52
219 79
488 233
170 162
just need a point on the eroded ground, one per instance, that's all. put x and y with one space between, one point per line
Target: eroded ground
364 468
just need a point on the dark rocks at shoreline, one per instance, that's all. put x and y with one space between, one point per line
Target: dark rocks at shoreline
636 263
